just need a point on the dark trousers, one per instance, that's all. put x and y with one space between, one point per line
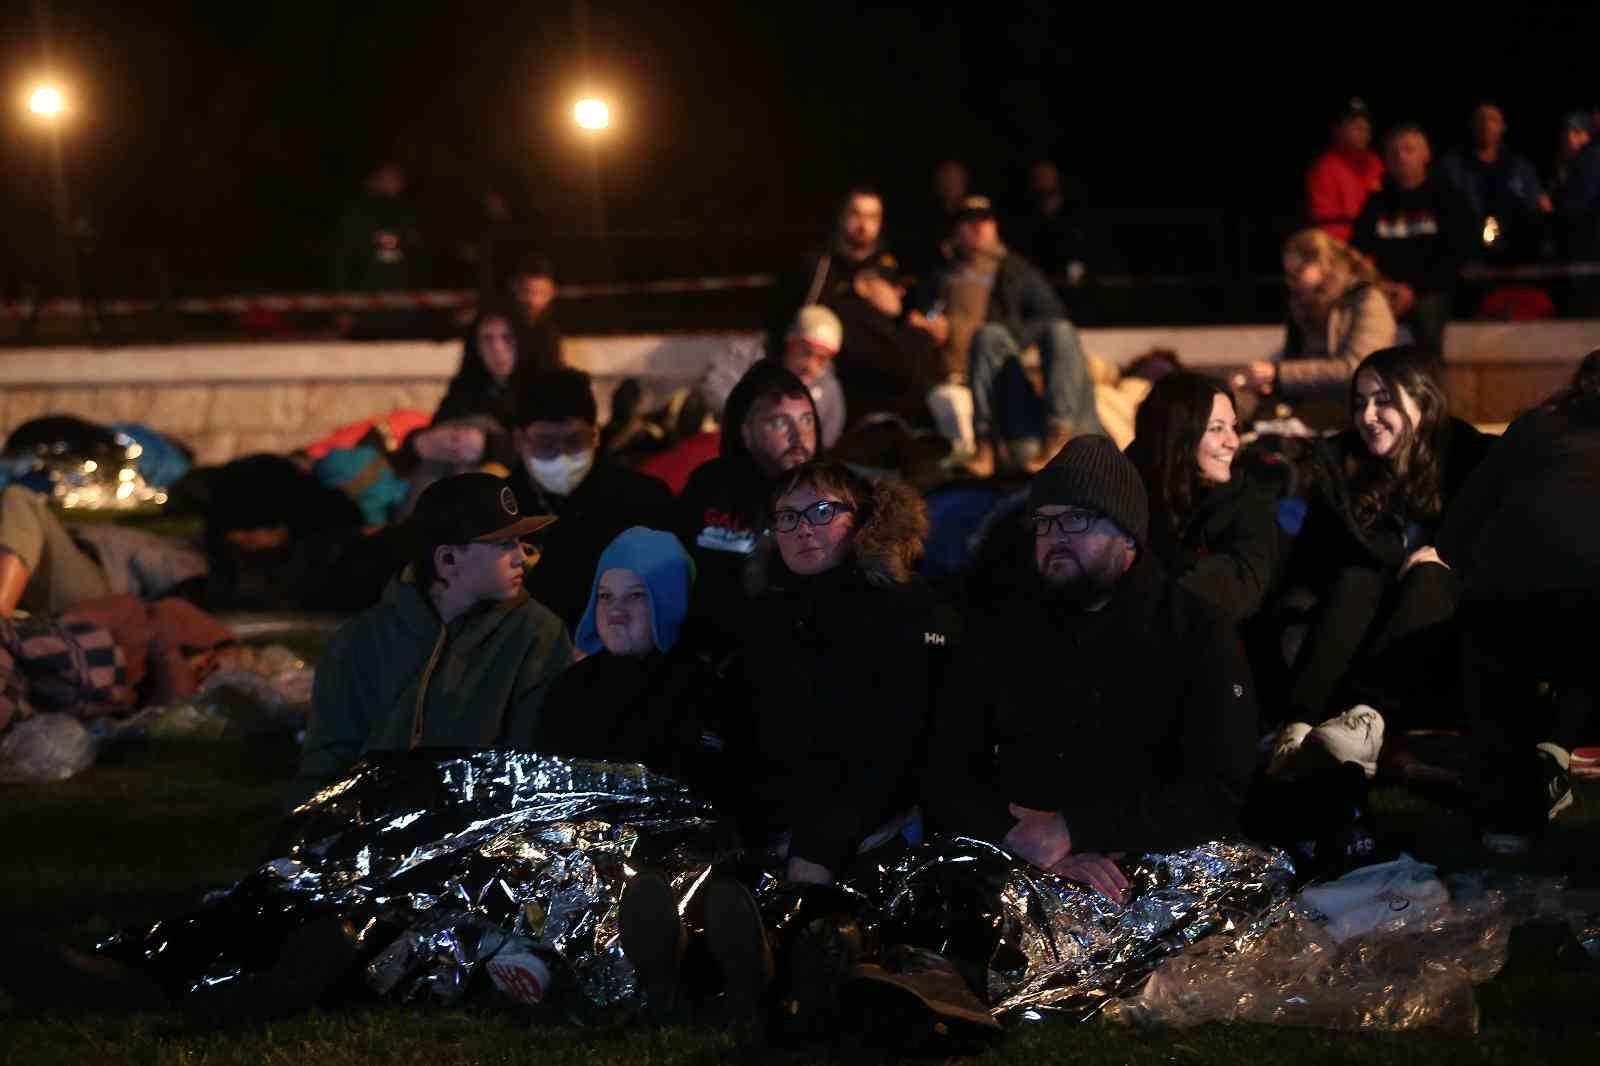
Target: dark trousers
1528 670
1378 641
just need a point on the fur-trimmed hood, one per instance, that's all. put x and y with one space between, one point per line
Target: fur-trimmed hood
886 546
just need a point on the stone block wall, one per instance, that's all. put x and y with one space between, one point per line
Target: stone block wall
229 400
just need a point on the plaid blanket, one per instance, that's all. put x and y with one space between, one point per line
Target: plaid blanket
69 665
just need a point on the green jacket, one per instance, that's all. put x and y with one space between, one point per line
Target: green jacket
394 678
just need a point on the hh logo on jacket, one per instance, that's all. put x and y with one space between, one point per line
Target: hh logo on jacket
1400 227
725 533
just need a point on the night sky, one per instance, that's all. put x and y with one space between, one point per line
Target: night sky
233 134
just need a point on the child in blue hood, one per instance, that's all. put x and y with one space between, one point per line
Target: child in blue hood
632 698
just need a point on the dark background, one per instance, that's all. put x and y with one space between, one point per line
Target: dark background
215 145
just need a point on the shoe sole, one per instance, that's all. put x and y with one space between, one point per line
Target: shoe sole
736 939
653 940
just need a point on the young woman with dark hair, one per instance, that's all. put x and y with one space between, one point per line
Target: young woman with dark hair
1215 535
1385 596
473 419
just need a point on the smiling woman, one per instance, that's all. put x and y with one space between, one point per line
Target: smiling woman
1380 633
1214 532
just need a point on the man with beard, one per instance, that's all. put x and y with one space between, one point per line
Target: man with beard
769 427
1102 709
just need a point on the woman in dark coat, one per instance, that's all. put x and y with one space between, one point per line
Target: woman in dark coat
1381 632
842 654
498 356
1216 535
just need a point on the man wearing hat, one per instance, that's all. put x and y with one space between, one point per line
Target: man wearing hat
809 345
455 654
1102 709
884 363
1006 306
1339 182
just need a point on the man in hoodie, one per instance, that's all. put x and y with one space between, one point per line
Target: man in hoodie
556 471
769 426
455 655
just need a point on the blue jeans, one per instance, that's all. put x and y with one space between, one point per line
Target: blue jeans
1004 402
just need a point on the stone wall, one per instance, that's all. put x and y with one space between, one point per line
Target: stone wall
231 399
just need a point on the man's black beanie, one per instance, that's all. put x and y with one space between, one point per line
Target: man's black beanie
1091 472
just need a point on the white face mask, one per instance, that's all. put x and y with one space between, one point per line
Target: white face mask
563 473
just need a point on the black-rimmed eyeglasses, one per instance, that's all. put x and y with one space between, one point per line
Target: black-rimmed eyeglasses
818 514
1066 522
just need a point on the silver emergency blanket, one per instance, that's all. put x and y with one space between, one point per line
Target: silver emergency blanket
428 856
1059 949
446 863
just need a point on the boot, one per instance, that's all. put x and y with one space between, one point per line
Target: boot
653 941
14 577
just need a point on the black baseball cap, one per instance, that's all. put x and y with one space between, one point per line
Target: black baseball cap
470 508
972 208
1355 107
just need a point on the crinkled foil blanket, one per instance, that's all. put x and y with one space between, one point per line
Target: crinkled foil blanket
448 861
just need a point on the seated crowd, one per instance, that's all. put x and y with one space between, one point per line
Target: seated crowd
1096 684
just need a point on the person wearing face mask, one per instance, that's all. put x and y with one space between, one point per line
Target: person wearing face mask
769 427
843 649
1216 535
1099 708
555 470
1379 637
472 420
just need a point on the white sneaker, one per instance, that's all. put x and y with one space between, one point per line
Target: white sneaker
1285 746
1354 736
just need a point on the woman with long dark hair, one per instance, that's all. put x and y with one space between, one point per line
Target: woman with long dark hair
1525 536
478 408
1385 596
1217 536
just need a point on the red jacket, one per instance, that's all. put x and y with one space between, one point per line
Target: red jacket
1337 185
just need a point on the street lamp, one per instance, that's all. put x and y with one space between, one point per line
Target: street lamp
48 105
47 102
592 114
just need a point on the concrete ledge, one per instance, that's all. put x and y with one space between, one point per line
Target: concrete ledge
229 399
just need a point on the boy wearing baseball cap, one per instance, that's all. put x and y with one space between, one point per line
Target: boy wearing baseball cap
455 654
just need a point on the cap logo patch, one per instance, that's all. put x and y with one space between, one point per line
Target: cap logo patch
508 500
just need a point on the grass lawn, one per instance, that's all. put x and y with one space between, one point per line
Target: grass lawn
140 835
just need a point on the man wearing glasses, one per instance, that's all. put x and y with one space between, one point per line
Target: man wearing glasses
769 427
1103 710
556 471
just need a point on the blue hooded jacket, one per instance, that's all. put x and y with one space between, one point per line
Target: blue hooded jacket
668 574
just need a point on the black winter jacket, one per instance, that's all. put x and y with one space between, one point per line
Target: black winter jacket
1332 538
1136 722
835 683
1227 551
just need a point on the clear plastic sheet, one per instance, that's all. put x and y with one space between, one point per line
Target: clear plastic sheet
1296 973
1047 946
438 859
49 746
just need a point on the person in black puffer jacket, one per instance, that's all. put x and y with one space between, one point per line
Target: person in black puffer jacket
843 652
